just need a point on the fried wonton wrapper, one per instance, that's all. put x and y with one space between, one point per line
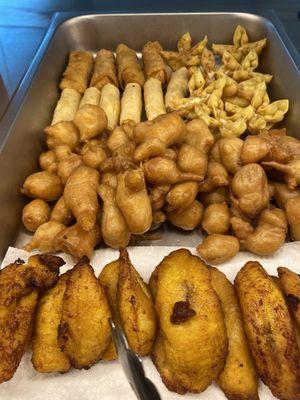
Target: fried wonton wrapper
90 96
131 104
153 62
154 98
84 333
238 379
177 87
18 299
129 68
110 103
105 70
66 106
191 346
78 71
46 353
270 331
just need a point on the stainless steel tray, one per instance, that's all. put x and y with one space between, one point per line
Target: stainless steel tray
21 128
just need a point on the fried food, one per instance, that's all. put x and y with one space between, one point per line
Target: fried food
290 283
199 136
90 96
46 353
105 70
293 216
90 120
181 196
157 196
67 162
177 87
44 237
218 195
48 162
84 332
230 153
113 226
270 331
133 201
61 213
255 148
42 185
282 193
239 378
158 218
136 307
61 134
153 62
191 345
77 242
216 218
80 195
187 219
216 176
154 98
35 213
18 299
250 188
93 153
131 105
217 248
66 106
111 104
291 171
78 71
190 159
129 68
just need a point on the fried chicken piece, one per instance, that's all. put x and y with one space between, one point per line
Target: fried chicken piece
46 353
290 282
191 346
84 332
238 379
19 283
270 331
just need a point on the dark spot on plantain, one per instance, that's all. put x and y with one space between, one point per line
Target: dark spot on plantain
83 261
181 312
293 302
19 261
52 262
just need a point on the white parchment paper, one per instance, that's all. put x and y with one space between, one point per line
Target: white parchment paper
106 380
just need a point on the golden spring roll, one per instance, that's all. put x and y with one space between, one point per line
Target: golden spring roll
78 71
129 67
66 106
131 104
105 70
91 96
178 86
154 98
110 103
153 62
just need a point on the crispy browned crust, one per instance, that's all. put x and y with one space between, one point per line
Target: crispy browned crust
105 70
78 71
290 283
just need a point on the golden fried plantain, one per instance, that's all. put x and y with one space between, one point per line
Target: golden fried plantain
238 380
191 346
290 283
84 332
108 278
18 300
136 307
270 331
46 353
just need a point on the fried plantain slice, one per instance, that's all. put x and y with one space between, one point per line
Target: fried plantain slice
191 346
239 378
136 307
270 331
290 283
18 300
108 278
46 353
84 333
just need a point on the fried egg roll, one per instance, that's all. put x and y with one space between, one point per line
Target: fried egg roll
66 106
110 103
105 70
129 68
78 71
154 98
153 62
177 87
91 96
131 104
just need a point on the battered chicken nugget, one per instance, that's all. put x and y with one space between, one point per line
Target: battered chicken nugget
270 331
46 353
191 346
136 307
290 282
238 379
18 300
84 332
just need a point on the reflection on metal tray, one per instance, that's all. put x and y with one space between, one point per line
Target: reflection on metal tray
31 108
